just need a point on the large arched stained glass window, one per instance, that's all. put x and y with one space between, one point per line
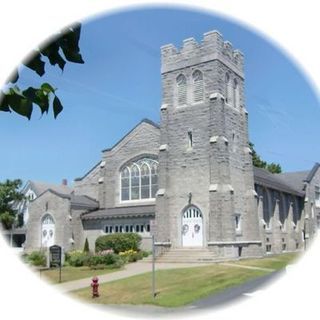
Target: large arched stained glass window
139 180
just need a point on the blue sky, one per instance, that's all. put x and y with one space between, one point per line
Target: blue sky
119 85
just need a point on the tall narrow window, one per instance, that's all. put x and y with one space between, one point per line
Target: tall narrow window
236 93
145 181
198 90
190 139
237 220
135 182
229 90
182 89
317 196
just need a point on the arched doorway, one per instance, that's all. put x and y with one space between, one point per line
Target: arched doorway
192 227
47 231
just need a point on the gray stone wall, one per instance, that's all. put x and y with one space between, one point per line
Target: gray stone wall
217 170
95 228
142 141
89 184
59 209
312 208
281 218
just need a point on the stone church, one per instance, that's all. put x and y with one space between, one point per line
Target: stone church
189 180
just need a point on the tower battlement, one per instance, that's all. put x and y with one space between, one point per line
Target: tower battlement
212 47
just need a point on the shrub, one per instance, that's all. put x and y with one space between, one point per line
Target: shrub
101 261
77 258
145 254
86 246
131 255
118 242
37 258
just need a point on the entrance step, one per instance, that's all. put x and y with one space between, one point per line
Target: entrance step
186 255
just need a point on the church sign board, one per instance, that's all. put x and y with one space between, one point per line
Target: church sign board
55 255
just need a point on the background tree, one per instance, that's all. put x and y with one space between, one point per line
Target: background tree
61 48
258 162
9 194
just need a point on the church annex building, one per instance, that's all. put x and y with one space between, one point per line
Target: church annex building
189 180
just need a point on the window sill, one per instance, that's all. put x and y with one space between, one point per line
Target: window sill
136 202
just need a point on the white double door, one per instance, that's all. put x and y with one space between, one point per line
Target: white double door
192 228
47 232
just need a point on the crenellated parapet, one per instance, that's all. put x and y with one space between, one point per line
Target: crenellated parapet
212 47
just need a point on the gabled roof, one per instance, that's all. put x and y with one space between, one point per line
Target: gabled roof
76 201
120 212
274 181
142 121
296 179
41 187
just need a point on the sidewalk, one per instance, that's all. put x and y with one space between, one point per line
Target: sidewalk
130 270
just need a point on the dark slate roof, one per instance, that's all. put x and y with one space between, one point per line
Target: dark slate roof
120 212
142 121
274 181
296 179
41 187
83 201
76 201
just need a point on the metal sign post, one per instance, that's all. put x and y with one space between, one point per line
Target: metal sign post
153 269
56 258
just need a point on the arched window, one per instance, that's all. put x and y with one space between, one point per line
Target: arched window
47 231
182 89
236 93
229 90
197 78
139 180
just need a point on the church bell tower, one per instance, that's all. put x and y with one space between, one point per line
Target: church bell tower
206 196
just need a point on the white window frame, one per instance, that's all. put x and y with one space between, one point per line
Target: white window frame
317 196
139 163
238 226
197 85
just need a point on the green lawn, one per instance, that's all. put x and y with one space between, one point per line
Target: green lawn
276 262
178 287
72 273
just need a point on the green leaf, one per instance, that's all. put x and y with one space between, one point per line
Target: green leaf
46 87
35 63
38 96
57 106
51 51
20 104
69 43
4 102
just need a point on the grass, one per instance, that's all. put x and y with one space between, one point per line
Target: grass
275 262
178 287
72 273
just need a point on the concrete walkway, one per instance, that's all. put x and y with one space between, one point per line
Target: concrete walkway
136 268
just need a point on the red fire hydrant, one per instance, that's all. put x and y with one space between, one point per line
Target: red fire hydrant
95 286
